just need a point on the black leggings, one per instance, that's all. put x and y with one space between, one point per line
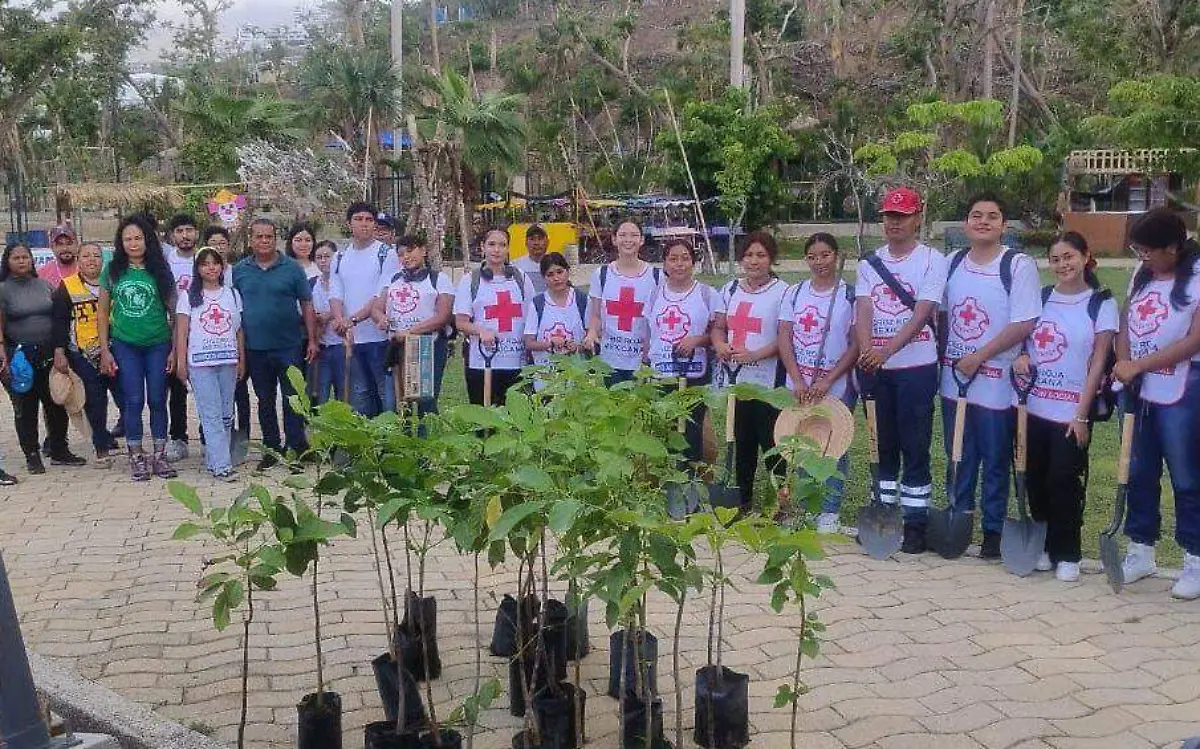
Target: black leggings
25 408
754 432
502 380
1054 472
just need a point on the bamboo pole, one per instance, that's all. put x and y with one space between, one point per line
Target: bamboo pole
712 258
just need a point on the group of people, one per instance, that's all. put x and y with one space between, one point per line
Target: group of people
915 325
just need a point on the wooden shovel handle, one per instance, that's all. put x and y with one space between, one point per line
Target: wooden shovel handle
730 412
487 387
397 375
1127 423
960 424
872 429
1020 453
682 419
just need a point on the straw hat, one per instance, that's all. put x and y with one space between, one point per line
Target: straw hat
66 389
829 424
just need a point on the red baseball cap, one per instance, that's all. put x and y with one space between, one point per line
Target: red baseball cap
62 230
903 200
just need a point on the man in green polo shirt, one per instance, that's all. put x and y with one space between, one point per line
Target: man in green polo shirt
276 309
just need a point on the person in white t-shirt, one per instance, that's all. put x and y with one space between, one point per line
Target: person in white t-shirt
210 354
536 243
489 308
555 319
357 272
1068 350
745 336
816 321
898 289
1157 347
331 361
680 317
620 292
181 257
416 301
992 302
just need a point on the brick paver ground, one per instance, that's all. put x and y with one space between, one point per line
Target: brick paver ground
920 653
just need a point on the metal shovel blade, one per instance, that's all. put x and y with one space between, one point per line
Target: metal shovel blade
1022 541
880 530
239 446
1110 547
949 531
683 499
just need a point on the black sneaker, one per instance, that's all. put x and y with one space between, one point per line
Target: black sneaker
7 479
914 539
66 458
268 461
33 462
990 548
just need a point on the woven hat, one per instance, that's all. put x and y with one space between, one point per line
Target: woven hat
829 424
66 389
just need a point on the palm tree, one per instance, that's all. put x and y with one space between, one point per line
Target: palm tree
484 133
215 125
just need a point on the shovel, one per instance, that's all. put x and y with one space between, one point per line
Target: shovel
725 492
487 370
682 499
949 530
880 526
339 457
1110 549
1022 539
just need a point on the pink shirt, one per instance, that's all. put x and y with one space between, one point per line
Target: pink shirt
52 272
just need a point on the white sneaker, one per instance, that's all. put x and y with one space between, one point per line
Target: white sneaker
1187 586
1067 572
176 451
828 523
1044 564
1139 562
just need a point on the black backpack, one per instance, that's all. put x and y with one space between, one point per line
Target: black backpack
1105 402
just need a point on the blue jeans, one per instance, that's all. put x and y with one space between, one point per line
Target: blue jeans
268 373
835 486
1167 434
904 416
213 389
331 369
142 371
96 387
370 383
987 444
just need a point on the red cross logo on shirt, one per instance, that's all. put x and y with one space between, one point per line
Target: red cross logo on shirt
558 330
741 324
673 324
969 320
505 310
886 300
625 308
807 325
1147 314
1049 342
214 320
405 298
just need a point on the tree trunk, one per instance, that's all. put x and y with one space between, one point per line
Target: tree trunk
494 51
433 35
464 221
989 50
1015 103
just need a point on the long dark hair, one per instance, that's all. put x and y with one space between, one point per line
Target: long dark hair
9 249
1159 229
1079 243
196 289
296 229
155 261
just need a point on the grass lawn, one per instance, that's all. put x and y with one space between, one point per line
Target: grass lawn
1104 451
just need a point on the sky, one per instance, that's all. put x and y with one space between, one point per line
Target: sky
263 13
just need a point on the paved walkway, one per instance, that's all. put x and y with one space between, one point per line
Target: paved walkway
920 653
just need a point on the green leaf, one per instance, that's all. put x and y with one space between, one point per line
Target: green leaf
186 531
533 477
784 696
185 494
562 515
513 517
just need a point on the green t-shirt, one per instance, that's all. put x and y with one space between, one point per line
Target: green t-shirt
137 314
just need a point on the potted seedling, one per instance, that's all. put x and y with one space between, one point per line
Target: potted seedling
248 562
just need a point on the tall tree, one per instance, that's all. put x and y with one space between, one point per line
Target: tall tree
216 124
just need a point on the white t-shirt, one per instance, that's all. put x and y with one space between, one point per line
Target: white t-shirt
558 320
752 322
532 271
624 301
499 306
409 303
1153 324
181 269
674 316
212 327
923 273
320 302
355 280
977 309
808 311
1061 346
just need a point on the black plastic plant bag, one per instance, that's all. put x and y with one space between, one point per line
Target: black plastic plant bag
634 724
577 628
722 709
419 623
447 739
386 684
618 648
557 712
382 735
504 634
319 726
